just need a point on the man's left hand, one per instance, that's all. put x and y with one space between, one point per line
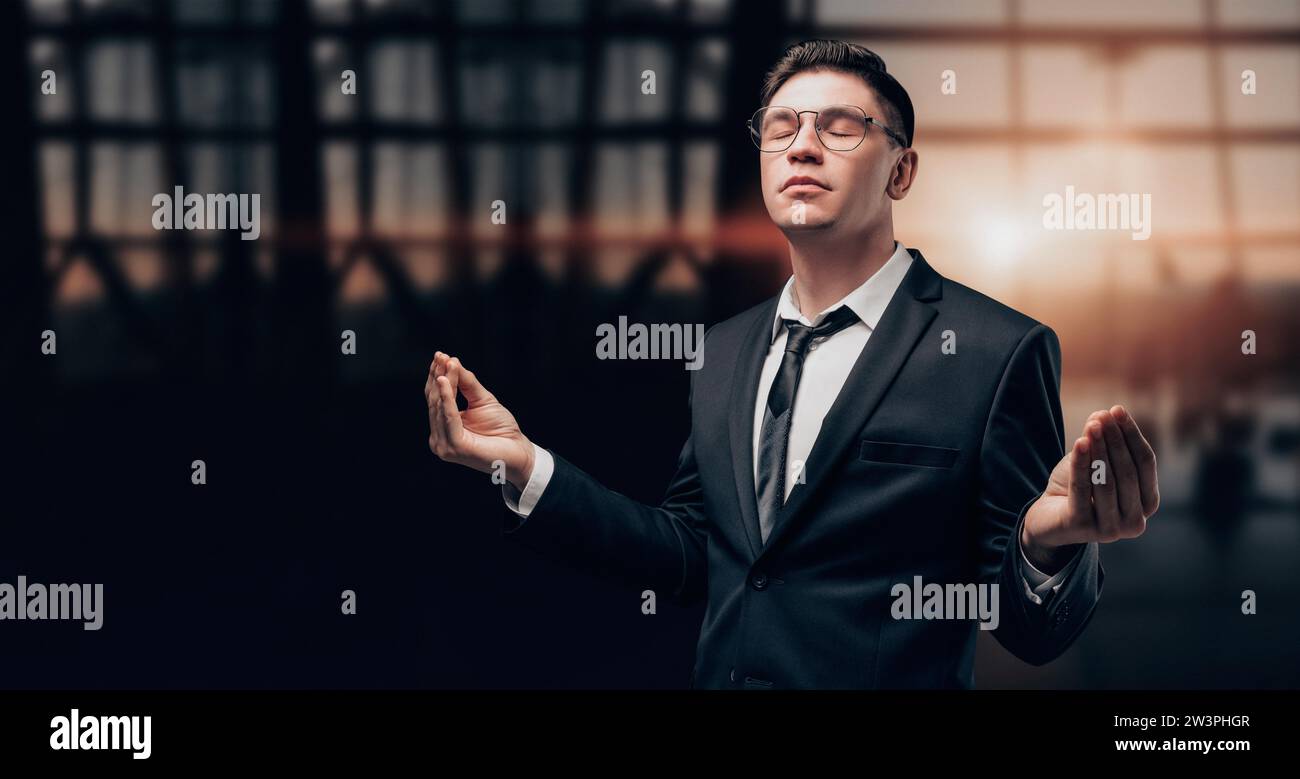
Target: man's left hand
1086 502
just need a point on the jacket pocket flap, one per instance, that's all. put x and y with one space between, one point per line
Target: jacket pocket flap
908 454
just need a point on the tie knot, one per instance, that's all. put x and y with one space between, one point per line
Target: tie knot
802 336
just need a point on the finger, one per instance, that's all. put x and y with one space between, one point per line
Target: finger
443 368
1145 458
435 409
1128 497
1103 495
451 424
430 390
453 373
1080 490
435 421
472 389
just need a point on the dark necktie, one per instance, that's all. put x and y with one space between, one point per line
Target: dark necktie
774 439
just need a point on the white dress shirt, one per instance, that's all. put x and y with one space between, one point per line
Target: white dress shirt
826 366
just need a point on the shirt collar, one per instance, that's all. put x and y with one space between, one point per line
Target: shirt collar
867 301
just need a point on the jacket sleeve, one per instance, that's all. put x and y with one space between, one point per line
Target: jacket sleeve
579 522
1023 441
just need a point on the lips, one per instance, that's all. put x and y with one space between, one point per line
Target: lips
794 181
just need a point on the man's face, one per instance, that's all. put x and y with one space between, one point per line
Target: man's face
848 188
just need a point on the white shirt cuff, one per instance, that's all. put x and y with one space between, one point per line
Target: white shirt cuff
522 503
1039 585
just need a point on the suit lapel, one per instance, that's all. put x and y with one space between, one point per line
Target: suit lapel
744 394
906 317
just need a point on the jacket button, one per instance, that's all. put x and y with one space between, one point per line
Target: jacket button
760 581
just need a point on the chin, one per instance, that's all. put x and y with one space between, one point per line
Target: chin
811 222
814 218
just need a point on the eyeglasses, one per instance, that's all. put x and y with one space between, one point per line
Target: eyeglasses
839 127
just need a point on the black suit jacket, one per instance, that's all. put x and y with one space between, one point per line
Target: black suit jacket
924 466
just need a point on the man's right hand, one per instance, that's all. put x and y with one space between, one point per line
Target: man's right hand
483 434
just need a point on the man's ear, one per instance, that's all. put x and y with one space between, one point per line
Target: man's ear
902 176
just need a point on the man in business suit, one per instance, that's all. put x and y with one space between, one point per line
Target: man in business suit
874 423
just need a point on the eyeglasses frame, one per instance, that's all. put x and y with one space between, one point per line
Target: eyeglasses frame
749 123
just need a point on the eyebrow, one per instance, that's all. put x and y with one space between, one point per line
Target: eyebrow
865 110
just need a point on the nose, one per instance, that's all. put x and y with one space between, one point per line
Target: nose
806 146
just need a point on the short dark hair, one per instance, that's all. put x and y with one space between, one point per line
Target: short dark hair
846 58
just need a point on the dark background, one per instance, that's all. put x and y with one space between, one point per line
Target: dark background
176 346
